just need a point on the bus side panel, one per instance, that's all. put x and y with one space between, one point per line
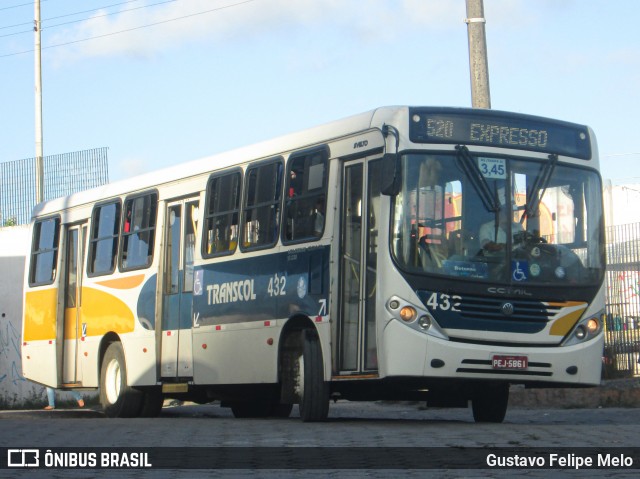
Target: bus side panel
242 306
236 354
39 358
124 306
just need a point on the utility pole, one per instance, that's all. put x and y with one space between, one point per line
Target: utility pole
478 63
38 89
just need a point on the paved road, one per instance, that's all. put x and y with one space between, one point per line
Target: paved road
350 425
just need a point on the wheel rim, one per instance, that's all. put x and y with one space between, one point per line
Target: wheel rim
112 381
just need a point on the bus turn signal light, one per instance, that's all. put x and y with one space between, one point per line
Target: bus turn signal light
592 325
408 314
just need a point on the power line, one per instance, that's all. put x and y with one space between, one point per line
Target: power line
130 29
46 27
94 10
21 5
76 13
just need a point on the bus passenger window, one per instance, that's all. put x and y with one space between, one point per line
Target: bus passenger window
222 215
103 245
139 231
305 205
262 205
44 251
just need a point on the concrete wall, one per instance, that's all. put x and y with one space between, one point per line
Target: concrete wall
15 390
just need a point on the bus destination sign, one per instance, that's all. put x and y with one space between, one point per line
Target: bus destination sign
499 129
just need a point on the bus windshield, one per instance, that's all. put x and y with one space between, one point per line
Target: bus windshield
499 219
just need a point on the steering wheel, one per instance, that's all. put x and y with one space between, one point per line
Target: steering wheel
527 237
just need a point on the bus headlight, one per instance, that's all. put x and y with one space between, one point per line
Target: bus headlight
415 317
425 322
588 328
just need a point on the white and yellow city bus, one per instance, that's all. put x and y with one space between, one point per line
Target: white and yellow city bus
436 254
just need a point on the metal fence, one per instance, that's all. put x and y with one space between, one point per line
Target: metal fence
622 327
63 175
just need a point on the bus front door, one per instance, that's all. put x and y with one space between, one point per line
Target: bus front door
358 268
72 322
180 238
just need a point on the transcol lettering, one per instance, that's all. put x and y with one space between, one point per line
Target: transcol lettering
231 292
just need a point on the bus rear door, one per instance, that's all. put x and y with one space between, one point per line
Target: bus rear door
72 319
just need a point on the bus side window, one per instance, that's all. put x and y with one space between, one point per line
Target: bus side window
262 205
103 246
222 214
44 251
305 203
138 231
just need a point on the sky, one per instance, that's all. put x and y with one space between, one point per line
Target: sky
163 82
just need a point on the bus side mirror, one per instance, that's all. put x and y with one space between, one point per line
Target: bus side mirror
391 178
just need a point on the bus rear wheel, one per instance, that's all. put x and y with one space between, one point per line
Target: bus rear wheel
489 403
117 399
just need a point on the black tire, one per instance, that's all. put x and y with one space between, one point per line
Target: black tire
314 391
117 399
152 402
254 409
490 402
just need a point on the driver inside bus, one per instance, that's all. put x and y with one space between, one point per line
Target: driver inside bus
493 236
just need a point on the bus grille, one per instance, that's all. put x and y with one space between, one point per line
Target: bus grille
520 310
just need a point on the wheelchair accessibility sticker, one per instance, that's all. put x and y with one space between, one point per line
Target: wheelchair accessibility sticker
519 270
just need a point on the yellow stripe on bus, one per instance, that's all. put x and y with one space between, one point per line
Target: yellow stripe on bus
40 309
103 312
563 325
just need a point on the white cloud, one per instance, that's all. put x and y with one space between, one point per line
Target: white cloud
128 167
187 21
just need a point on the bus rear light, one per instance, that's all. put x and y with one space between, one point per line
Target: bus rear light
408 314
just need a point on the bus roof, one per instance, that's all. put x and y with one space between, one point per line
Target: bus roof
265 149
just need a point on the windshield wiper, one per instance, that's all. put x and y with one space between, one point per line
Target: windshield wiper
471 169
541 184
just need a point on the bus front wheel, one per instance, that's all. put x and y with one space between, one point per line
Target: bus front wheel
117 399
489 403
313 390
